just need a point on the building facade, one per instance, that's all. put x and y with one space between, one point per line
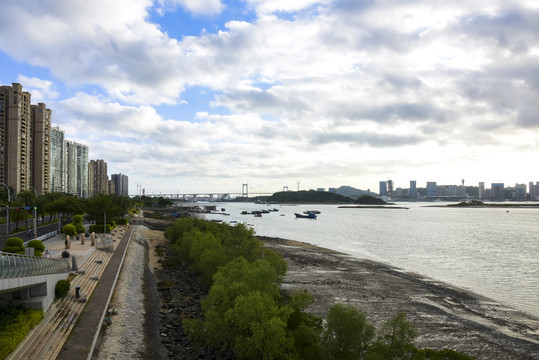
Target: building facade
98 180
25 141
41 149
121 184
76 169
58 154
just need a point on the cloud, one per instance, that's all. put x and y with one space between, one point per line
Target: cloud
41 90
299 79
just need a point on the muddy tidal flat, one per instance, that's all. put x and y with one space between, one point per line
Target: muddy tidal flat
445 316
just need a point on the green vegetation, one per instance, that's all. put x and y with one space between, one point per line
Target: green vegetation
15 323
61 288
245 310
370 200
14 245
37 245
309 197
69 229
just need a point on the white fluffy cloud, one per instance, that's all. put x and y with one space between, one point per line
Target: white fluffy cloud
356 89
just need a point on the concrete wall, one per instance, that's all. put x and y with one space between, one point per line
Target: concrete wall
36 292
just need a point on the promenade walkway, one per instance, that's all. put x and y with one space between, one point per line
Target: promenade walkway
71 325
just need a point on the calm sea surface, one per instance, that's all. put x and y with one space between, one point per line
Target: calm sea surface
489 251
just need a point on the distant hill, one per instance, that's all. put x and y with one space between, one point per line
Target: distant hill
309 197
353 192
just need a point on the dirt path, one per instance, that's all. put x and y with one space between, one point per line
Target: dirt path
133 332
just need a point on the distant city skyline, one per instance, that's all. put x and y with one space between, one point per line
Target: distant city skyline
198 96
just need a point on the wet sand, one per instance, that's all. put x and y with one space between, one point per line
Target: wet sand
445 316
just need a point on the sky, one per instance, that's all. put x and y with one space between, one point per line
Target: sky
193 96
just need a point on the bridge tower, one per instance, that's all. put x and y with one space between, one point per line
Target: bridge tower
245 190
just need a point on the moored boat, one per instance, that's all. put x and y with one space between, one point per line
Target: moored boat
307 216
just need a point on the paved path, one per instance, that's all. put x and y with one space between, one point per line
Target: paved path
83 337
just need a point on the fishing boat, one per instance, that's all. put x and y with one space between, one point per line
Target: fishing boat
306 216
311 212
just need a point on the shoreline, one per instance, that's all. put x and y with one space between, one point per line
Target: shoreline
445 316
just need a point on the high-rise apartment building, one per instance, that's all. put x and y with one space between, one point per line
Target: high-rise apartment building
121 184
98 180
41 148
16 128
76 169
25 143
58 154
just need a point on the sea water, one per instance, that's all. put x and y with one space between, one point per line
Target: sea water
491 251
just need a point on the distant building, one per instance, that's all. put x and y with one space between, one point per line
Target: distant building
121 184
383 188
57 160
321 189
76 169
98 180
413 189
390 193
332 190
520 192
431 189
41 149
497 191
111 187
531 191
481 195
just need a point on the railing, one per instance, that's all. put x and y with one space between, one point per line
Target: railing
16 265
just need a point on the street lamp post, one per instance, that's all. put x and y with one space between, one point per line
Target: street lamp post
7 209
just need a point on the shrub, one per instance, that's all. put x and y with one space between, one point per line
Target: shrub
14 245
122 221
77 219
79 228
348 334
69 229
37 245
14 326
62 288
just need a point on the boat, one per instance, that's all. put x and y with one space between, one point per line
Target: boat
311 212
258 215
306 216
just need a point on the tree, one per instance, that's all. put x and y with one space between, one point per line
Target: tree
259 327
27 198
396 339
77 222
305 327
98 205
69 229
14 245
347 334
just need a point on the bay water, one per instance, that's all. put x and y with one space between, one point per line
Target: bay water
491 251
